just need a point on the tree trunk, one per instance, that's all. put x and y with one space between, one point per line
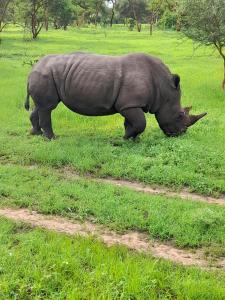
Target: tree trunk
178 24
151 28
46 18
3 10
138 26
219 47
135 17
97 9
112 15
223 83
2 25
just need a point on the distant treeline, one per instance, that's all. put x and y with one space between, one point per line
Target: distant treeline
202 20
36 15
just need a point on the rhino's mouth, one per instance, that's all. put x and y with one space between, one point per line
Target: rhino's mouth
175 134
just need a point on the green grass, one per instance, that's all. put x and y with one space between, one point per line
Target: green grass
195 160
38 265
35 264
184 223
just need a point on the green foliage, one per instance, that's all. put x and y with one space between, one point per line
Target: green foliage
30 14
131 24
4 13
168 20
204 21
61 12
133 9
95 10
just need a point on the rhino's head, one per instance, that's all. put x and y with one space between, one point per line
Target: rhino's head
172 118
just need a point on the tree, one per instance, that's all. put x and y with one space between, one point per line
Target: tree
154 7
204 22
79 15
62 13
30 14
46 14
97 6
113 3
94 9
138 8
175 7
3 13
135 9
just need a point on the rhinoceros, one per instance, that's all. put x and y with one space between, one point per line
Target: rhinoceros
100 85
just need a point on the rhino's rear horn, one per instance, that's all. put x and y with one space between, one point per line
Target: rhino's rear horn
187 109
194 119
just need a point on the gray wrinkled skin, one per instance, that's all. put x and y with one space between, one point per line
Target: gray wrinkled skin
98 85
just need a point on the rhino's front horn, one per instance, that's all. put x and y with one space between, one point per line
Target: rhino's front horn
194 119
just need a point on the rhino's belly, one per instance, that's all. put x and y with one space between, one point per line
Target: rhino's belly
98 100
93 110
89 108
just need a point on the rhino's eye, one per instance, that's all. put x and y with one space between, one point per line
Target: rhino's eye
181 115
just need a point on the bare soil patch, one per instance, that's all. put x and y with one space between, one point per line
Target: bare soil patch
133 240
184 194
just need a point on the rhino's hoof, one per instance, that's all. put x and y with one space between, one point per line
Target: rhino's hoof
35 132
48 137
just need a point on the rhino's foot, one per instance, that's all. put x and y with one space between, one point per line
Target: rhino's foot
49 136
36 131
135 139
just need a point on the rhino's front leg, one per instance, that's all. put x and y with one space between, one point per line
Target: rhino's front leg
135 122
126 124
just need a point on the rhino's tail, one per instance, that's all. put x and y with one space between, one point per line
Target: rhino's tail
27 102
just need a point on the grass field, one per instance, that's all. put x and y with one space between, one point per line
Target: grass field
50 266
74 268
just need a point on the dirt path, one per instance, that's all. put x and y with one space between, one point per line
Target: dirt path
68 173
133 240
140 187
162 191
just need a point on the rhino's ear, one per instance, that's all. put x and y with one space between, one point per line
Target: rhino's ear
176 80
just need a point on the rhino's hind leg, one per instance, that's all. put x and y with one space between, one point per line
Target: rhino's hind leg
135 122
34 118
46 123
